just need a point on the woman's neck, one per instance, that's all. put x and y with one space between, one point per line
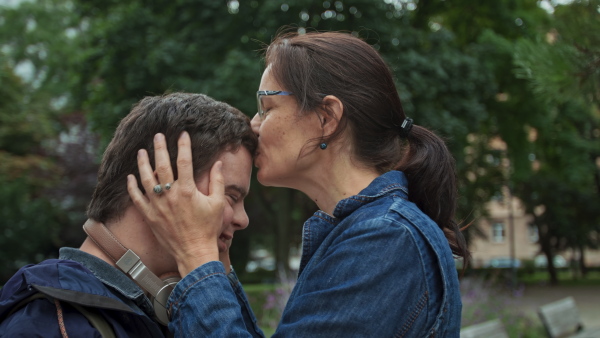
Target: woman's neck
333 181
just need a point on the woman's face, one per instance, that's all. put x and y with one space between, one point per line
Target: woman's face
282 134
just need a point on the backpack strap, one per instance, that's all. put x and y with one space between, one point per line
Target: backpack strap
24 302
97 320
92 315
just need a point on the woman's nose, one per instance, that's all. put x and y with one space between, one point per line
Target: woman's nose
255 123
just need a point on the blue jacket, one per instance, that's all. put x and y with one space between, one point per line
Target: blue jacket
378 267
106 290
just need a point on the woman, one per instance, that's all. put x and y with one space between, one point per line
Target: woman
378 258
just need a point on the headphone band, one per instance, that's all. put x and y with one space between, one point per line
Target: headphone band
131 264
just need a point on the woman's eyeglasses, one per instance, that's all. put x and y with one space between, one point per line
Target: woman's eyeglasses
261 93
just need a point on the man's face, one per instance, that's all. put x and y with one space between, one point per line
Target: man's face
237 167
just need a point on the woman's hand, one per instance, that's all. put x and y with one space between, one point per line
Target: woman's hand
186 222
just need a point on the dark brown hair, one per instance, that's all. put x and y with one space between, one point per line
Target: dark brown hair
214 127
339 64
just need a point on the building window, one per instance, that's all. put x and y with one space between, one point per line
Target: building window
498 232
532 230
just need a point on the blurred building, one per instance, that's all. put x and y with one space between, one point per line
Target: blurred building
493 248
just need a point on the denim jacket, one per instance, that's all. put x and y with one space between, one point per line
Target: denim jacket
378 267
79 278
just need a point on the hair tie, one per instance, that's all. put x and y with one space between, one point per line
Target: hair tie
406 127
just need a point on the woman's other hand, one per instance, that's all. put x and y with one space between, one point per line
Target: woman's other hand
186 222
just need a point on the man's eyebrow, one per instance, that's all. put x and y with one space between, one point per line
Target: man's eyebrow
241 191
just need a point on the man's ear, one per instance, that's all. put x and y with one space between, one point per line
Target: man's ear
331 119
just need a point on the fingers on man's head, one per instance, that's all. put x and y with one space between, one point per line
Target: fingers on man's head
135 193
146 173
162 160
217 182
185 170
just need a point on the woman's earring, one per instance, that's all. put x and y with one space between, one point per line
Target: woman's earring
323 146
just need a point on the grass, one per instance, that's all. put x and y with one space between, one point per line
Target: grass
485 300
258 288
565 277
267 303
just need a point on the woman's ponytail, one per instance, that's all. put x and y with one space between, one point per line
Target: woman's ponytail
432 184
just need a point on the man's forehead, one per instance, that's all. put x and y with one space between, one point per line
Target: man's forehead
237 167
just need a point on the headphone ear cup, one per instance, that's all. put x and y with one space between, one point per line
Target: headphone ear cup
159 303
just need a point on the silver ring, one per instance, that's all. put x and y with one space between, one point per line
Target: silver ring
168 186
158 189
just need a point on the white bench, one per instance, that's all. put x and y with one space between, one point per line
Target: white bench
489 329
561 319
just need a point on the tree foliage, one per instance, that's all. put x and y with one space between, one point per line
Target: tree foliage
25 172
475 74
562 68
42 175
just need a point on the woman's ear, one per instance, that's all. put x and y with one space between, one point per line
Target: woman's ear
335 110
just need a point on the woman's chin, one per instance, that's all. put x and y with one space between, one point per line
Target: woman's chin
268 180
263 177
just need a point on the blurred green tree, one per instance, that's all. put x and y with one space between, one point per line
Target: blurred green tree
494 149
453 63
30 221
48 161
548 135
563 70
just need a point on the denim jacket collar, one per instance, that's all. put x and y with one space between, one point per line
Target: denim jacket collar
381 186
320 225
111 276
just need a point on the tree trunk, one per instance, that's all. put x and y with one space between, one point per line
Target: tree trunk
582 268
239 253
544 240
282 231
551 268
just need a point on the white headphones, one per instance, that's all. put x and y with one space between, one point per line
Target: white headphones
130 263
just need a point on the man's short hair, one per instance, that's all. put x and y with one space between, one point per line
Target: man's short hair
214 127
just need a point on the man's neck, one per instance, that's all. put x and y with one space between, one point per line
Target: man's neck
133 233
92 248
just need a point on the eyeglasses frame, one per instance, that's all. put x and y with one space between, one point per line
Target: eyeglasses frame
261 112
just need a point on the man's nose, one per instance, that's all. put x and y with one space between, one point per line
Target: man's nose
240 219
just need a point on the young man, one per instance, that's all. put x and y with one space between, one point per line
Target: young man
118 281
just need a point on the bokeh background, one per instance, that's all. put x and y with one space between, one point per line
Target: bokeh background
512 85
